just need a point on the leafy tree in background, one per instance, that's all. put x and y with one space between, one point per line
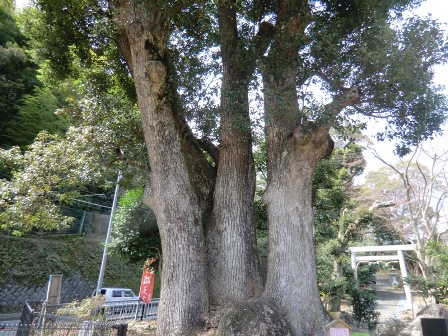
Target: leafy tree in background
56 168
333 190
202 194
339 222
26 107
36 114
59 167
17 71
437 286
136 235
49 174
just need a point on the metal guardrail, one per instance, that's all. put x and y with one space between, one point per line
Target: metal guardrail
127 310
109 312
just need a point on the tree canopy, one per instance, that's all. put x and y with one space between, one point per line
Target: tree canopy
17 71
192 69
26 107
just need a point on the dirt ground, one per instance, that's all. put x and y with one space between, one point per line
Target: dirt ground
391 305
138 328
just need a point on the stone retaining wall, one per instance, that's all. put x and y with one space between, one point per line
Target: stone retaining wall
27 262
13 296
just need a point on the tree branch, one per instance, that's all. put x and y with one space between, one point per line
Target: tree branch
210 148
332 110
378 205
258 45
335 86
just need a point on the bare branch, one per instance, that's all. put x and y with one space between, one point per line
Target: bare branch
378 205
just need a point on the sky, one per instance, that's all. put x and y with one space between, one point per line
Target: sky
438 9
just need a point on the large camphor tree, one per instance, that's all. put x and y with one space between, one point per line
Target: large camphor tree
361 61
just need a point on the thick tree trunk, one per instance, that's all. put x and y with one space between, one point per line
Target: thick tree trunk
234 269
291 283
294 146
172 192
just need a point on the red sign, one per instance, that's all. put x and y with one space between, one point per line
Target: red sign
147 284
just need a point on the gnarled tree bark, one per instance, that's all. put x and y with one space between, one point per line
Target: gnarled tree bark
180 182
234 269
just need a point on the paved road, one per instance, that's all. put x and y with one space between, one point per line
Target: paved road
391 302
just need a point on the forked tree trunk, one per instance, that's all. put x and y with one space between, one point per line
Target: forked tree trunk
174 190
294 147
233 270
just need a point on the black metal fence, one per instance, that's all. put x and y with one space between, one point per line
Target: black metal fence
53 328
39 320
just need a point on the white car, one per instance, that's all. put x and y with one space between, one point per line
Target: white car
117 294
119 302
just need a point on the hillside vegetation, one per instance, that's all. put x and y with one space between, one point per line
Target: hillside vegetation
29 261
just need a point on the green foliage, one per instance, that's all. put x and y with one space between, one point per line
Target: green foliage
79 24
17 73
260 215
25 107
50 173
9 31
136 235
437 286
37 113
337 224
106 130
364 305
333 190
383 233
438 251
329 286
355 44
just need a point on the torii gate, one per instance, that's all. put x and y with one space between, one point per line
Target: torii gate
398 257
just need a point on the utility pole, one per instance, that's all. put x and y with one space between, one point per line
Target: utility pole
109 229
